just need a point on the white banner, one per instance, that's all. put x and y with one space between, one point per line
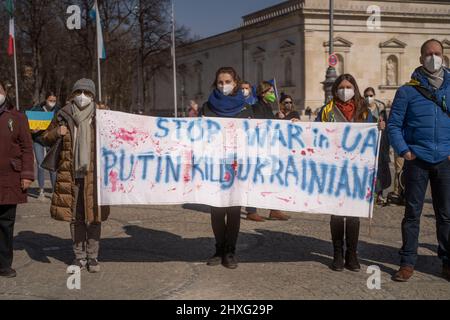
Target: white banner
324 168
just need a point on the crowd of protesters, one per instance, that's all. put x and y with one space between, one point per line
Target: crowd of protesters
417 128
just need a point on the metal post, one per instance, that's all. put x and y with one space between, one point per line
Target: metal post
331 75
15 69
175 99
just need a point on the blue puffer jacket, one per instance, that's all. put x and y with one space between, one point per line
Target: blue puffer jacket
419 125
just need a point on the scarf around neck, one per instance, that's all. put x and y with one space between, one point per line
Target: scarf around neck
347 108
82 150
435 79
226 106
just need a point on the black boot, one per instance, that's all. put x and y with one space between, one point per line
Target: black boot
229 258
8 273
338 257
351 238
216 259
337 234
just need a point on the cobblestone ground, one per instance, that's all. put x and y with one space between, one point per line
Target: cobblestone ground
159 253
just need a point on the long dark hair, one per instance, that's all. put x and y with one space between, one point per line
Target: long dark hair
232 73
6 87
361 106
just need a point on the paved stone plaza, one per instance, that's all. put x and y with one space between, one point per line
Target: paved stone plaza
159 253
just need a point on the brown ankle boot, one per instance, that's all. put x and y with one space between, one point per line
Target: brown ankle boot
255 217
404 274
278 215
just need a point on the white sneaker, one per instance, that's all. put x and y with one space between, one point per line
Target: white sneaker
41 196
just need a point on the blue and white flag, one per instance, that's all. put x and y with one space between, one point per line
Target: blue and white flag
100 44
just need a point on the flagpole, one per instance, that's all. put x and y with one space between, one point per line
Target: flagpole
97 23
276 92
175 100
15 69
15 75
99 80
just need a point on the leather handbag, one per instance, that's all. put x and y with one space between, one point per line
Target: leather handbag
51 160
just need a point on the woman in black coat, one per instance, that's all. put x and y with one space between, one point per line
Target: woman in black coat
226 100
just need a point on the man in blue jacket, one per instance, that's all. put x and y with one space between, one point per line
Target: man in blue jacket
419 131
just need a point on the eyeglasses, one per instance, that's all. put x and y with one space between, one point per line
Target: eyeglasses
87 93
287 102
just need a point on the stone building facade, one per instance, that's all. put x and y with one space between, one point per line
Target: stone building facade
289 42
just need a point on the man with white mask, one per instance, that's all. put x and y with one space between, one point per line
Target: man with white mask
74 199
419 131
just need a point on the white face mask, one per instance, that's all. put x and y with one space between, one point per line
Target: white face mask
82 100
370 100
227 89
433 63
51 105
246 92
345 94
2 99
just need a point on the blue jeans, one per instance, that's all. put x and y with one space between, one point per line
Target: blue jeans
250 210
417 175
39 153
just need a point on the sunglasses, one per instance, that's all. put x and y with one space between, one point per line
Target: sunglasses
86 93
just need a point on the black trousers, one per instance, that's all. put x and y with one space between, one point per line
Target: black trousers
226 231
7 220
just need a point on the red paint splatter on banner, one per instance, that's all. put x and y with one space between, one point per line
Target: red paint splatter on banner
173 189
293 151
231 125
310 150
227 176
369 194
284 199
132 137
303 153
235 166
125 135
113 177
156 144
188 166
265 194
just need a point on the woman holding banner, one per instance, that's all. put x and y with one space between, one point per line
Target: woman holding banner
49 105
16 175
347 105
228 101
75 196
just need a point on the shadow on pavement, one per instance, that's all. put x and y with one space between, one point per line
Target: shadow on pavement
265 246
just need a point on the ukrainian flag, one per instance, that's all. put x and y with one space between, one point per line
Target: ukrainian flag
39 120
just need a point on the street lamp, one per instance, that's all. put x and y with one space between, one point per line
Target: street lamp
331 74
